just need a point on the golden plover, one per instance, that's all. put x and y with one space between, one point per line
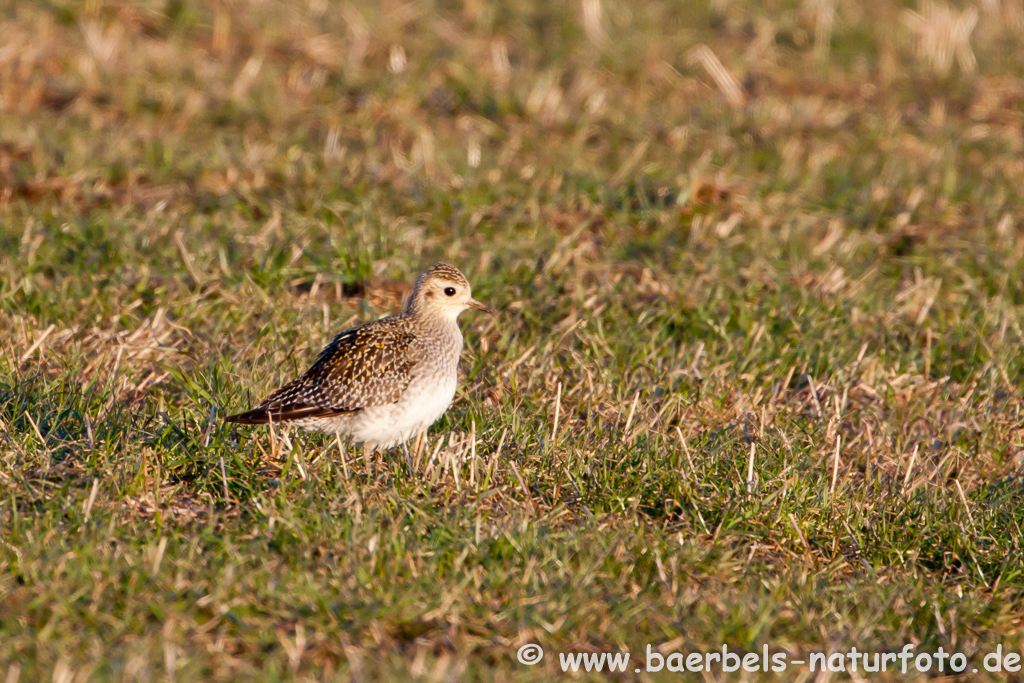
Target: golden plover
383 382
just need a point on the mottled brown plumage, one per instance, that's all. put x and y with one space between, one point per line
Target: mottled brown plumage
383 381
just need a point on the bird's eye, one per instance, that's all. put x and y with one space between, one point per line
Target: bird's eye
449 291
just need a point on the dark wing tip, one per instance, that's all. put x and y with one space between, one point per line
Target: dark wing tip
259 416
287 413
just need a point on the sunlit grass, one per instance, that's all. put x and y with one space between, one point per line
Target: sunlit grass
755 379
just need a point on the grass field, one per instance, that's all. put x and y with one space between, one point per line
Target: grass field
755 380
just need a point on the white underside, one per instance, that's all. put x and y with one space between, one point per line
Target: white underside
422 403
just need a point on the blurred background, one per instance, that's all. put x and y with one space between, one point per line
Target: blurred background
431 126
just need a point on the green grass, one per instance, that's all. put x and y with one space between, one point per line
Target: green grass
714 300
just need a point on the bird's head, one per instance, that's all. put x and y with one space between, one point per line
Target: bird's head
443 291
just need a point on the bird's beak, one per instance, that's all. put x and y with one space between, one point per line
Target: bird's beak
473 303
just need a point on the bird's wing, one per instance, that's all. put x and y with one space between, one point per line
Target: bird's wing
362 367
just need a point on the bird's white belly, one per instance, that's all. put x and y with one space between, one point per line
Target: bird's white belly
423 402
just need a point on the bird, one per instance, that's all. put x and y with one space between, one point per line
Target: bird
383 382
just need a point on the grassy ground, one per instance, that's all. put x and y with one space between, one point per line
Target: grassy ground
756 379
